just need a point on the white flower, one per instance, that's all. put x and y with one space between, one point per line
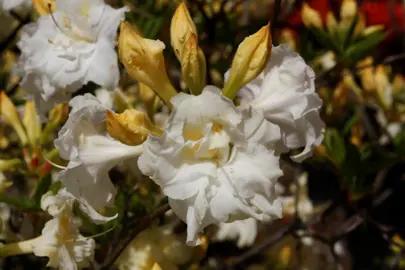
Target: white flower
65 50
285 92
327 60
244 231
211 162
91 152
7 5
105 97
60 239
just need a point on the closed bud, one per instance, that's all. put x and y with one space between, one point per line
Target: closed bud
57 116
146 95
372 29
398 85
367 74
331 22
383 87
287 37
181 28
9 164
310 17
44 7
4 142
348 11
31 124
9 113
143 59
250 59
156 266
193 66
132 127
361 24
148 98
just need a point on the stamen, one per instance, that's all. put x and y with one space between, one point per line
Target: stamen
54 20
55 165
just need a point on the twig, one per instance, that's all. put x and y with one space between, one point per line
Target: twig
262 246
143 224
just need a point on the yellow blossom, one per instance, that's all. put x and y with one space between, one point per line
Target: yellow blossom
251 58
143 59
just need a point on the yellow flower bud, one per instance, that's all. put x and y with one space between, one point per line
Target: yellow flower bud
193 66
285 255
348 11
131 127
56 117
361 24
31 123
310 17
348 81
156 266
251 58
4 143
143 59
367 74
331 22
398 85
372 29
287 37
44 7
148 98
383 88
9 164
59 114
9 113
181 28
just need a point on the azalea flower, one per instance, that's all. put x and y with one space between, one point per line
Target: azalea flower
244 231
91 152
105 97
212 163
7 5
60 239
285 93
63 51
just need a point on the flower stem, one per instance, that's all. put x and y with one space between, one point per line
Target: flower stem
24 247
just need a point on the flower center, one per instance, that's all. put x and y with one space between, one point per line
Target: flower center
212 145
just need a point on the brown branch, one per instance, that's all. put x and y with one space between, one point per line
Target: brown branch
143 224
275 238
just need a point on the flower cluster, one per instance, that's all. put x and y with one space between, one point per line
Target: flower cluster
216 162
214 153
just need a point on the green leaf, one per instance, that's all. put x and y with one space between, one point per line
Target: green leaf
324 39
349 124
364 47
42 187
24 203
399 143
349 34
335 145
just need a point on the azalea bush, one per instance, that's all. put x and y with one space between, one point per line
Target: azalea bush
202 134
